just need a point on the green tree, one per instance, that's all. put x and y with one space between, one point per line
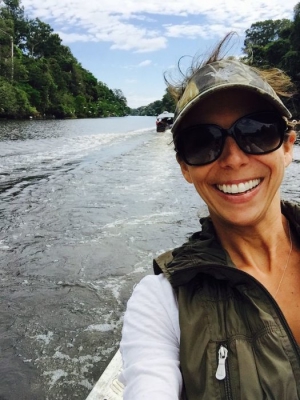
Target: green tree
13 101
263 32
277 44
260 35
40 39
48 80
14 14
168 102
295 31
157 107
275 52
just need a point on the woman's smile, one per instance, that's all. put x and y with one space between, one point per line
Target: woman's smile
239 188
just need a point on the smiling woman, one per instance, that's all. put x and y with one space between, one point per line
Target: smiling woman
220 319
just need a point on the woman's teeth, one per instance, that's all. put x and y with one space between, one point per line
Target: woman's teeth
240 187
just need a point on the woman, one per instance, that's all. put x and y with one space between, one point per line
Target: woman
222 320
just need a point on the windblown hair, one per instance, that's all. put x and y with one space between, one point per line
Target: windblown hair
276 78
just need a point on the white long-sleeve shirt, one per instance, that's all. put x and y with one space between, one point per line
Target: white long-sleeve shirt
150 342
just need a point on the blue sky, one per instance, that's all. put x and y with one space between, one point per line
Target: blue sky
129 44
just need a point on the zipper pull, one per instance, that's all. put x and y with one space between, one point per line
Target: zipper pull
221 370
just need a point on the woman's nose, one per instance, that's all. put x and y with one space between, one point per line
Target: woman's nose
232 156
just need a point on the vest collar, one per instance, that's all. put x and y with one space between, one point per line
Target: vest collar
203 252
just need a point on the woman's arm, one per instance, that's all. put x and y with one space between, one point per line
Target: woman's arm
150 342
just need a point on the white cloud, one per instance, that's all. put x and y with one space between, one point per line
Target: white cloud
128 25
144 63
75 37
188 31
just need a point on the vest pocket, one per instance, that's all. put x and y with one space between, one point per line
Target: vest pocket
259 368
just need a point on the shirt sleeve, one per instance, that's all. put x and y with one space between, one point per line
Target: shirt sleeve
150 342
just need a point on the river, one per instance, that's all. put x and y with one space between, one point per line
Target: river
85 205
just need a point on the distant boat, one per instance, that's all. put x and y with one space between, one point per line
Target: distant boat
164 121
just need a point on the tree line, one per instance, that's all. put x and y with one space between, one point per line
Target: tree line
39 77
157 107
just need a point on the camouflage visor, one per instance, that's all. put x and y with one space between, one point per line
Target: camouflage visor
222 75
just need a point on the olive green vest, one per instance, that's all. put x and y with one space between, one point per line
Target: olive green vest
235 342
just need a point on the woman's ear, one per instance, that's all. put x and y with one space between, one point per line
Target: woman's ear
289 147
184 169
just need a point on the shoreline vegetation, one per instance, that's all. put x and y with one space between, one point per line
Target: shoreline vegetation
41 79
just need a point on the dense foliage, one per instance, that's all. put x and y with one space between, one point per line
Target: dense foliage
40 77
157 107
276 44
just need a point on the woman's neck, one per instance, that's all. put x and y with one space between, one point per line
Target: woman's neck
258 247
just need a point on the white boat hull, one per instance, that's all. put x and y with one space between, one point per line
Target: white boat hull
108 386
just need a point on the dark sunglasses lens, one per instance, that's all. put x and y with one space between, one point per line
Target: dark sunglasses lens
258 133
201 145
261 133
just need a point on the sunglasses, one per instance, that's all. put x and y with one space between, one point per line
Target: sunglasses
257 133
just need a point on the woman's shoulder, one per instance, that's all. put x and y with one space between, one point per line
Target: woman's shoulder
153 299
157 284
154 291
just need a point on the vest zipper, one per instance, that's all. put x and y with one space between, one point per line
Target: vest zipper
222 373
222 357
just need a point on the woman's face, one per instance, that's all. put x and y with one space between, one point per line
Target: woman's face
256 177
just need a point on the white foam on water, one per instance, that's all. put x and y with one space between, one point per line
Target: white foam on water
100 237
140 269
45 338
55 376
19 155
61 356
108 351
88 357
3 246
146 261
86 384
80 359
100 327
143 220
115 288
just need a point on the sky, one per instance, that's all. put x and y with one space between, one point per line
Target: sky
129 44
